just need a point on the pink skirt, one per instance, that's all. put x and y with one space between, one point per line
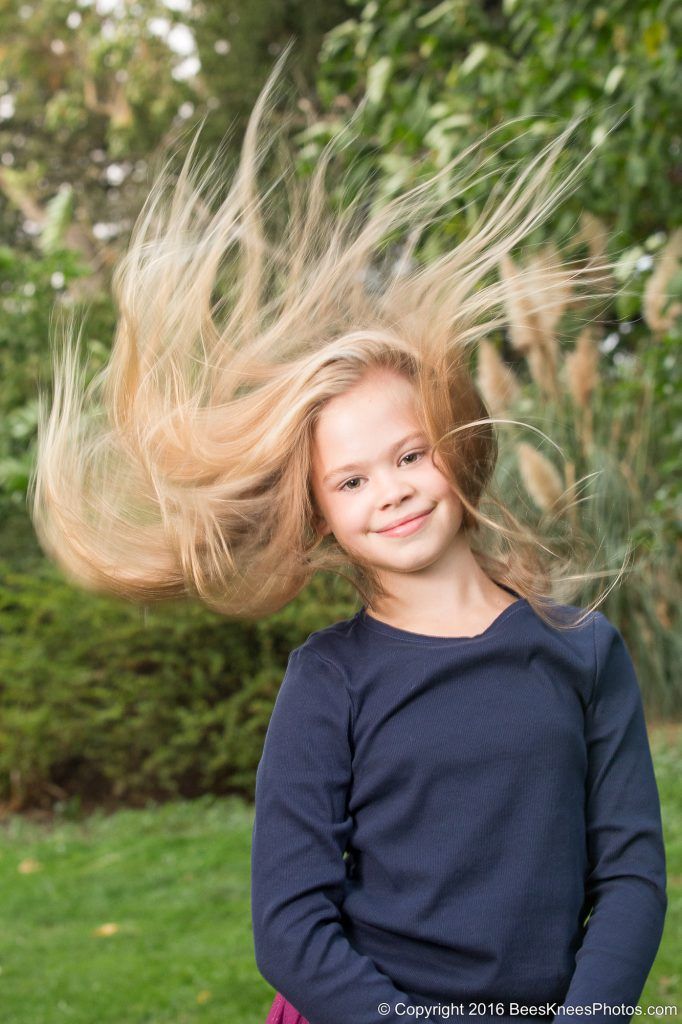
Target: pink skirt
282 1012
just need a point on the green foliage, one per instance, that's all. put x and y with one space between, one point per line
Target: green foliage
633 501
99 700
433 80
651 369
92 97
436 77
95 700
610 491
95 93
30 291
59 212
83 79
237 43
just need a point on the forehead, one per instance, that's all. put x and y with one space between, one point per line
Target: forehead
381 405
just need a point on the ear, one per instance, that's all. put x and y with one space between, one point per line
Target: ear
321 526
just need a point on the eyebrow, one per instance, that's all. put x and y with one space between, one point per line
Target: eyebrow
360 465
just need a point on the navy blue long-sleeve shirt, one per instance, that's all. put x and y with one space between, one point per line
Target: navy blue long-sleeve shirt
437 817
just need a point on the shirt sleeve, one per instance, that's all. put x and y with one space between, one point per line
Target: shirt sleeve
626 881
301 828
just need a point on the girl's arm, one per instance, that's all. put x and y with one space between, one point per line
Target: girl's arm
300 833
627 877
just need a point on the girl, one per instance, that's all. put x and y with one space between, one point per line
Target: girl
456 809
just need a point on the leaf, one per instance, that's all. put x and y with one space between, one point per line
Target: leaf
477 54
110 928
435 15
14 475
598 135
613 79
377 79
29 866
59 212
654 36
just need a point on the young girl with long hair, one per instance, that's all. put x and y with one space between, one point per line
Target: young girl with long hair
456 808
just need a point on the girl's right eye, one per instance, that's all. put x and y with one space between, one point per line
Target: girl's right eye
343 486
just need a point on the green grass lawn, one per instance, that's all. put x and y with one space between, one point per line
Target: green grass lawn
142 917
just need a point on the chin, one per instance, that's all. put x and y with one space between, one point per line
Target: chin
414 559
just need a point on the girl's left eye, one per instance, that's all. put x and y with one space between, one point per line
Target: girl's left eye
344 486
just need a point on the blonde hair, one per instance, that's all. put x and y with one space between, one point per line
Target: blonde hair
183 468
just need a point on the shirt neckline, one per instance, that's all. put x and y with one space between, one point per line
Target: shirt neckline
377 626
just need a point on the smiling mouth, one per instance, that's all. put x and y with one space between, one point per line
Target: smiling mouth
408 525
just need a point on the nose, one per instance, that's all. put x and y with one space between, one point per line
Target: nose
392 489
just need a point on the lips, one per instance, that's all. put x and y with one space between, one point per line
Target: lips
407 519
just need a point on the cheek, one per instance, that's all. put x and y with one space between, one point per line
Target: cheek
346 514
437 484
441 490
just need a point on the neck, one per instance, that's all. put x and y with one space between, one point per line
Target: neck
455 589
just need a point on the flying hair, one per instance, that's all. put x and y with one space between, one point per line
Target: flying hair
183 468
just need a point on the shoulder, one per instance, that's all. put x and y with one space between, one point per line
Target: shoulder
571 629
324 658
592 648
599 643
580 625
614 668
606 635
571 640
332 645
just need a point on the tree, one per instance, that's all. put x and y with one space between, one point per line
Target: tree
437 77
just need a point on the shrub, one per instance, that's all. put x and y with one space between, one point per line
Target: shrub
106 702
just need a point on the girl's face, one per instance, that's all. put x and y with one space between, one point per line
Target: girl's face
372 468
